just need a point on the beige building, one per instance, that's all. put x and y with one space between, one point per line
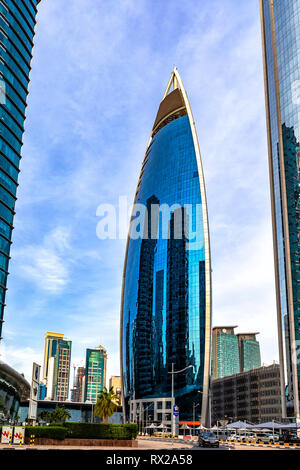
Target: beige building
115 383
56 369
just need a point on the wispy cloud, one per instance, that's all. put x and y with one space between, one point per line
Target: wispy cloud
46 264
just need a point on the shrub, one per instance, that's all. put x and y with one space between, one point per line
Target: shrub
102 431
49 432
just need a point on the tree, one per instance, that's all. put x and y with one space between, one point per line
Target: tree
61 415
46 416
107 404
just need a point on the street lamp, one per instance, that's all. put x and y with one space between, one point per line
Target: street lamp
194 415
143 419
209 406
173 373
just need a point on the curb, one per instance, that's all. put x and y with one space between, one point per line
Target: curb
261 444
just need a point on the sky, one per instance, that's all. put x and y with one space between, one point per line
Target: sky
99 71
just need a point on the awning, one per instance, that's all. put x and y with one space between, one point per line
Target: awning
239 425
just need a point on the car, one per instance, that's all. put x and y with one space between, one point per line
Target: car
264 437
233 437
208 439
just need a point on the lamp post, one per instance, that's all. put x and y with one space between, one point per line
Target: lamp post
173 373
194 415
209 406
143 418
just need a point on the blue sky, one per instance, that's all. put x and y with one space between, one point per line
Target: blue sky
98 74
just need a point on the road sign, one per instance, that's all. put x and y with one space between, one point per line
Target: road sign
19 434
175 410
6 434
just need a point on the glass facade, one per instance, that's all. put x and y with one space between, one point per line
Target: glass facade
225 352
249 355
95 373
165 311
13 389
17 21
281 50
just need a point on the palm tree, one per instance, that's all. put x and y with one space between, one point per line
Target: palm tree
107 404
61 415
45 416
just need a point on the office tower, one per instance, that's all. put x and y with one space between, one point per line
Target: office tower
166 293
17 22
281 42
95 373
56 369
62 370
51 342
225 352
249 351
79 385
253 396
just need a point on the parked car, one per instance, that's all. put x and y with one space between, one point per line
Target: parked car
264 437
233 437
208 439
224 435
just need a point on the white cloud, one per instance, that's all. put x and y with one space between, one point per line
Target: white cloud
45 264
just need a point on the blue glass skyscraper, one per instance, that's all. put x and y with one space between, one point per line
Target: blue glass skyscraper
166 295
281 53
17 22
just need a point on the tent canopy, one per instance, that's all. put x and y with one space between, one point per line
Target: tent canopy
151 426
185 426
239 425
268 425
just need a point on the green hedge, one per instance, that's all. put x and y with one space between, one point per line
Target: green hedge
102 431
49 432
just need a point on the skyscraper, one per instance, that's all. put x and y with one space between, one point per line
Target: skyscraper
281 43
225 352
166 294
95 372
78 392
17 22
51 341
56 369
249 351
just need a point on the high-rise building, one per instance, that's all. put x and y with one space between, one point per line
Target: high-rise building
95 373
17 22
249 351
56 369
51 342
166 294
225 352
62 370
79 386
252 396
281 43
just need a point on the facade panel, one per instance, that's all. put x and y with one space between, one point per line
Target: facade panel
95 373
